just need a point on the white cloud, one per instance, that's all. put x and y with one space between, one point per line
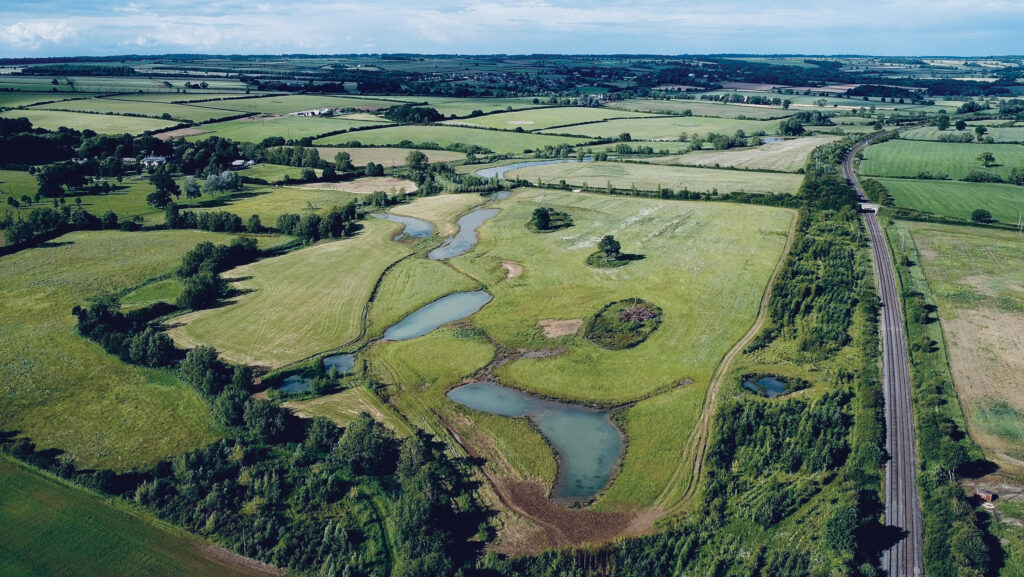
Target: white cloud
30 35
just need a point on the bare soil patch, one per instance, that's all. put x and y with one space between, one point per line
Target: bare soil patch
555 328
180 133
367 185
248 566
513 269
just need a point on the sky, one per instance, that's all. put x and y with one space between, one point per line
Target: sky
34 28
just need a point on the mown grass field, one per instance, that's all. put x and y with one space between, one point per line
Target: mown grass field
49 528
906 158
976 277
213 99
257 128
297 304
271 202
411 284
343 407
101 123
668 128
704 265
496 141
702 108
275 172
652 177
542 118
64 391
1001 134
13 99
287 104
788 156
442 210
958 199
387 156
179 112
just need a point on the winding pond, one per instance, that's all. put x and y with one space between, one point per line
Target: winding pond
414 227
466 238
586 441
444 310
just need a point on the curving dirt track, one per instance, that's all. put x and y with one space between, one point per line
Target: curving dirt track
902 506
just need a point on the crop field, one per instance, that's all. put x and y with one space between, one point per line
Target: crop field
366 185
466 106
179 112
257 128
343 407
443 210
389 157
297 304
788 155
674 238
101 123
298 103
652 176
111 84
811 100
215 98
958 199
271 202
904 158
66 392
1001 134
668 128
976 277
703 108
49 528
494 140
541 118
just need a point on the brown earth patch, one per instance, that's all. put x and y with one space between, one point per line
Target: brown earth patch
180 133
555 328
244 565
513 269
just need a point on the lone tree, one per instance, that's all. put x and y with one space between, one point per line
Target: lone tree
981 215
961 125
610 247
417 161
980 131
987 158
541 218
942 121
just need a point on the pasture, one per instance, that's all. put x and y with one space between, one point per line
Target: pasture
493 140
957 199
1000 134
16 99
297 304
257 128
271 202
787 156
976 277
287 104
702 108
542 118
66 392
341 408
466 106
275 172
389 157
199 98
178 112
667 128
50 528
100 123
652 177
906 158
366 185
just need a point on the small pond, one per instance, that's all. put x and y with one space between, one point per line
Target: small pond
343 363
586 441
767 139
444 310
294 384
766 387
466 238
414 227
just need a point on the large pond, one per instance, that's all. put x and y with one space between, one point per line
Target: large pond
466 238
414 227
587 443
440 312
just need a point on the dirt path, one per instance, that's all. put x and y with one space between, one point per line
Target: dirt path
243 565
671 500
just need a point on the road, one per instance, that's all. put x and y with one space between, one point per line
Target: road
902 506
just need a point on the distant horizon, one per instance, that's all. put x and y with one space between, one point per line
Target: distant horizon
885 28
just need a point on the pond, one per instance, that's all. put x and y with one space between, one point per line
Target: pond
414 227
294 384
499 171
586 441
466 238
767 139
766 387
343 363
444 310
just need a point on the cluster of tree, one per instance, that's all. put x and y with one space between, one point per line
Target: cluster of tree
791 127
412 114
213 221
339 222
129 336
876 191
200 270
723 141
737 98
814 118
21 144
972 106
294 156
44 222
545 218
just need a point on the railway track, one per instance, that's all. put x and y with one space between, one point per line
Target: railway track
902 505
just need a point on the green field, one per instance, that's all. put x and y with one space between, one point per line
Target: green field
541 118
668 128
343 407
443 210
651 177
788 156
215 99
257 128
411 284
101 123
466 106
905 158
179 112
271 202
958 199
496 141
14 99
1001 134
49 528
66 392
299 103
112 84
299 304
387 156
275 172
702 108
